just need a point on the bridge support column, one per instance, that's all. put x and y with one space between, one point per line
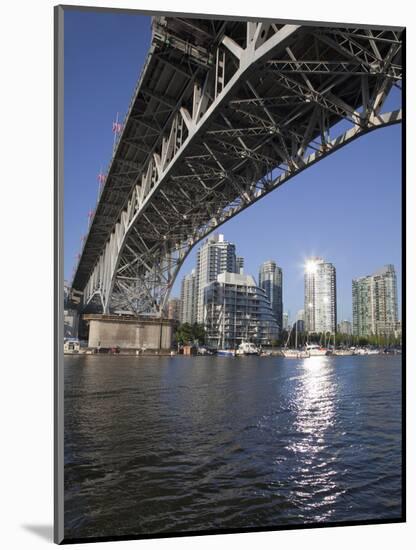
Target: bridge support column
129 332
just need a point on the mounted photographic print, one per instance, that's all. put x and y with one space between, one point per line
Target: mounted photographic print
229 274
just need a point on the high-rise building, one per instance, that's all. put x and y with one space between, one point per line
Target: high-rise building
345 327
300 321
188 299
374 303
174 309
320 296
385 294
237 310
362 306
285 321
214 257
271 281
240 264
300 316
299 326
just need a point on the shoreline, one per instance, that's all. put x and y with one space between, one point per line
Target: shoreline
168 353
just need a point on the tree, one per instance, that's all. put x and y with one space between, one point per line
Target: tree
198 333
183 334
188 334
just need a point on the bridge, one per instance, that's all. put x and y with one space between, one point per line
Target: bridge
224 112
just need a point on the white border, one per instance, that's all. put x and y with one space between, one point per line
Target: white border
26 42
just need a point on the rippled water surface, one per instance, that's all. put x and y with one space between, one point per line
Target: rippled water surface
179 444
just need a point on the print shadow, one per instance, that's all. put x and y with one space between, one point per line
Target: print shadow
43 531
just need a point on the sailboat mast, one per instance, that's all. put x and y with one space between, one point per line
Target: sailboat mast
288 338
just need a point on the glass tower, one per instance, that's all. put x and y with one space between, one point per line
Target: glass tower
271 281
320 296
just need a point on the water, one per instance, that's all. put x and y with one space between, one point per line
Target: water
176 444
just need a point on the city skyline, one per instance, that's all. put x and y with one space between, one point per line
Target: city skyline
334 209
309 268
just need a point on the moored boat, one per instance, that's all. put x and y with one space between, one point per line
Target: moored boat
316 350
295 354
226 352
343 352
247 348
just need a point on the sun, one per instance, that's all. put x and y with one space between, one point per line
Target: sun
310 266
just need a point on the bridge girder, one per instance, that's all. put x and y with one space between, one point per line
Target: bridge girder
257 107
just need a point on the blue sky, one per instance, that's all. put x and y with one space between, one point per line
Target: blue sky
346 208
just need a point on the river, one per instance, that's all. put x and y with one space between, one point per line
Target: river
176 444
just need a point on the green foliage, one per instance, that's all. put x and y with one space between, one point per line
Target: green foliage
198 333
187 334
190 334
377 340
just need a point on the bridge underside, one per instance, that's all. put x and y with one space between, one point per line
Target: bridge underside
224 113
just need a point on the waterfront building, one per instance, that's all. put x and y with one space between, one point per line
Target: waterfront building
215 256
320 296
362 306
345 327
271 281
174 309
188 299
237 310
374 303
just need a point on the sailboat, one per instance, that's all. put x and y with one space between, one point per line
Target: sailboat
291 353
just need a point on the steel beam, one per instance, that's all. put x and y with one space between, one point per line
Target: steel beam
248 117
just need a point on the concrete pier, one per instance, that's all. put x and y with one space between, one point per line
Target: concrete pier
129 332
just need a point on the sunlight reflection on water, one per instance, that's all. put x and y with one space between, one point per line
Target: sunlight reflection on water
175 444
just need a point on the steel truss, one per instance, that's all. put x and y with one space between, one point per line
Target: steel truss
257 106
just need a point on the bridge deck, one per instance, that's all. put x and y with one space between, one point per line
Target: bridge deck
165 83
311 80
